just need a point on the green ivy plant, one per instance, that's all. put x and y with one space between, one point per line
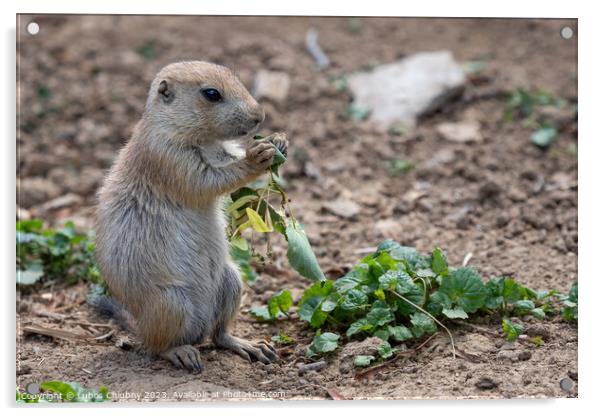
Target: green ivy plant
55 253
397 294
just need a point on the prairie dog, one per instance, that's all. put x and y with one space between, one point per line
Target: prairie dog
161 243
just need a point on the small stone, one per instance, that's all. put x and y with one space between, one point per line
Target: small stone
344 208
461 132
538 330
566 384
461 217
507 356
441 157
524 355
304 368
271 85
486 383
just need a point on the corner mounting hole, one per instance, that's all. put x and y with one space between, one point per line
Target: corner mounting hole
33 28
566 32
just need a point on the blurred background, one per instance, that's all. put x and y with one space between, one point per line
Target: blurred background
485 163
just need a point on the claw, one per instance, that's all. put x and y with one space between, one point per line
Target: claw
184 356
260 351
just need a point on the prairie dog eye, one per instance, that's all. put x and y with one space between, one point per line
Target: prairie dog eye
211 95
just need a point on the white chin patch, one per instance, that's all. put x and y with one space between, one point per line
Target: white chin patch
234 148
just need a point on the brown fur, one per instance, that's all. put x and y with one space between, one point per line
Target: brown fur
161 242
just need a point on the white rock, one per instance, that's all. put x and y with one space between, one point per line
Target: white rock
399 92
342 207
461 132
271 85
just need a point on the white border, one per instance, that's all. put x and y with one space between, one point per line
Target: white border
590 105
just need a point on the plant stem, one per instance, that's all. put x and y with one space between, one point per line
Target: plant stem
451 338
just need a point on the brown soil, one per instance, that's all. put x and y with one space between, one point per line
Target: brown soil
511 205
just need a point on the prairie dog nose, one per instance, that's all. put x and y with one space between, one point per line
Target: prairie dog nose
258 116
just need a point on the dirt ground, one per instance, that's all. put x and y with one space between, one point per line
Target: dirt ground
83 83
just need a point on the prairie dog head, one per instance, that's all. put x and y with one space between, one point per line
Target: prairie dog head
202 102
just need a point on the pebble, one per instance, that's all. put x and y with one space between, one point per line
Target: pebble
342 207
486 383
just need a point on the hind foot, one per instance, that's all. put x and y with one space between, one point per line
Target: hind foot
185 356
260 351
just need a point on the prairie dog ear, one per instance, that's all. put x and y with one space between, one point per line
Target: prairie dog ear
166 94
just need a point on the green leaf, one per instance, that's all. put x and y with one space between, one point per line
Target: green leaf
437 302
278 160
465 288
357 112
241 254
257 222
511 291
397 280
522 100
307 309
312 312
408 254
32 274
538 313
363 360
280 302
356 276
30 225
544 136
456 313
524 306
422 324
396 166
400 333
261 313
319 289
283 338
382 333
322 343
511 329
361 325
416 295
328 304
438 262
242 201
425 273
570 311
385 350
380 314
300 255
354 300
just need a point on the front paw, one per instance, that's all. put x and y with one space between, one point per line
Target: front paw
280 141
260 154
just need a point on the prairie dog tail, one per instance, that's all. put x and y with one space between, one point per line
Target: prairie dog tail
111 308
